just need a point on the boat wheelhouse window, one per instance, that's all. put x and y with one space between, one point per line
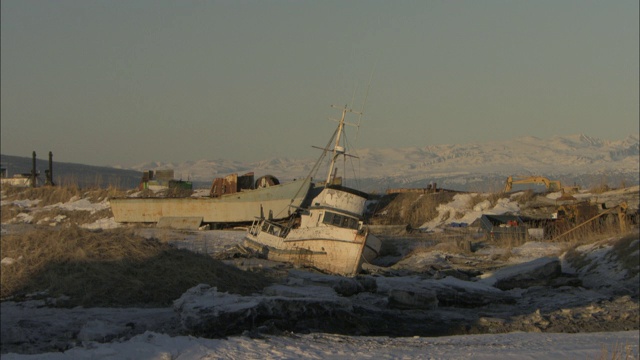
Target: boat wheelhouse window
328 217
340 220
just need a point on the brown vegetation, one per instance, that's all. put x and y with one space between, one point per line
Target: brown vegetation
110 268
599 189
626 251
51 195
617 351
47 196
9 212
576 234
525 197
410 208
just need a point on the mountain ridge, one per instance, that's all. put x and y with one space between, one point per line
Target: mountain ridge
579 159
576 159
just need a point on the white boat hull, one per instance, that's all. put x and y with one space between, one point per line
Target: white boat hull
331 250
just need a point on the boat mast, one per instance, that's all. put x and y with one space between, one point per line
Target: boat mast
337 148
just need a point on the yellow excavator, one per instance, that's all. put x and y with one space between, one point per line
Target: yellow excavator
551 185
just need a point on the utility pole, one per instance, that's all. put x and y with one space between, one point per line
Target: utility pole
49 172
33 170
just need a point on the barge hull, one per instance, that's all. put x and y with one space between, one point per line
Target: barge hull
244 206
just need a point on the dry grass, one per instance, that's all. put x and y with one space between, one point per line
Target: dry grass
453 246
588 233
626 250
526 197
577 259
412 208
70 217
617 351
55 195
110 268
50 195
494 197
599 189
8 212
47 195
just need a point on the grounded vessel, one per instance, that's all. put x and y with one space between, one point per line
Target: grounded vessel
327 232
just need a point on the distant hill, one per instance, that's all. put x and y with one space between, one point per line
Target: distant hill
574 160
84 176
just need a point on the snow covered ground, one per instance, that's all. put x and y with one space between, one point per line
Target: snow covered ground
96 327
154 346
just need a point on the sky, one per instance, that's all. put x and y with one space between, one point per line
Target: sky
126 82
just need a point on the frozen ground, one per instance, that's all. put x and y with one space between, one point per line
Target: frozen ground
154 346
595 317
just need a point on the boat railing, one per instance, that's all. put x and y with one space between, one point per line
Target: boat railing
255 226
270 227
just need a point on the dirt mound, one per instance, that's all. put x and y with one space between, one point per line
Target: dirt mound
408 208
110 268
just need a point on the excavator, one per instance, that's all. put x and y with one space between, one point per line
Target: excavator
551 185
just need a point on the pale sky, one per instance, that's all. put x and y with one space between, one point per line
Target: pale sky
125 82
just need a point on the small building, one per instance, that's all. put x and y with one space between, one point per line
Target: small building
162 179
20 180
500 226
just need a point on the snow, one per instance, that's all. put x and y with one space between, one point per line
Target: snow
107 223
532 250
76 204
554 195
460 204
597 262
155 346
24 218
205 297
206 242
7 261
27 203
511 271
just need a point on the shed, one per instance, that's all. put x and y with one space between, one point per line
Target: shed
498 226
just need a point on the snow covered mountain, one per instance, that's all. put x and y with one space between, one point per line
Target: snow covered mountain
573 159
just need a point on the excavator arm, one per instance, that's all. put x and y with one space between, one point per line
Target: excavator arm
549 184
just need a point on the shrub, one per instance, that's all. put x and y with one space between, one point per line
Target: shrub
110 268
526 197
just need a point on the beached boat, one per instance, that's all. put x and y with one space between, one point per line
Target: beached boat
327 233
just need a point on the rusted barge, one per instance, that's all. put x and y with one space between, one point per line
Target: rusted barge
226 205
